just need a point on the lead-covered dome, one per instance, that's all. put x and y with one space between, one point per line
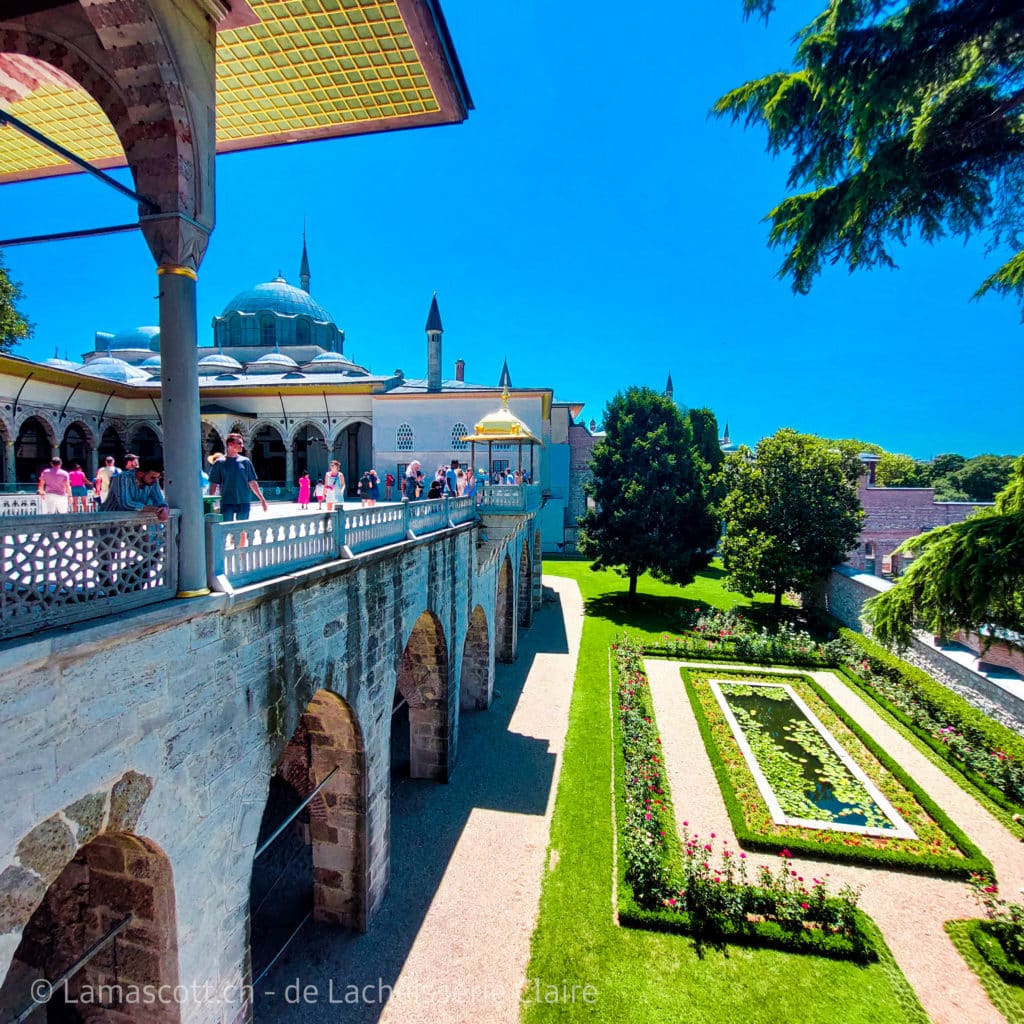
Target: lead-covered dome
278 297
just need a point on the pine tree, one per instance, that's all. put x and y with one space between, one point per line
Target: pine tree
900 116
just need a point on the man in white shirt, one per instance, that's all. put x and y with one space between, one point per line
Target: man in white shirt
103 477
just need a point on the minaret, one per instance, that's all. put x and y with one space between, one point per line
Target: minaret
668 388
505 380
304 265
434 332
725 436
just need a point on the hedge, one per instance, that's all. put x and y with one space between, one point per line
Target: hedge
972 862
989 946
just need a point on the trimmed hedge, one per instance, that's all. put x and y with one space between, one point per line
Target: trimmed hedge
943 706
989 946
1006 998
973 861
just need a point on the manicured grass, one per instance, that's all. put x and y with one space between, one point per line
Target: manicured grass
1007 999
641 977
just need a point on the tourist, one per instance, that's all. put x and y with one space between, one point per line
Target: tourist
363 489
236 477
460 483
320 495
55 488
104 475
411 489
436 488
131 462
374 488
389 484
334 486
79 488
304 485
138 491
451 480
470 489
421 483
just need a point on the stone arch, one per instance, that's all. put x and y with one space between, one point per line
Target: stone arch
319 864
309 449
114 878
352 446
266 448
504 614
525 601
211 440
77 445
112 443
34 445
422 688
144 440
477 673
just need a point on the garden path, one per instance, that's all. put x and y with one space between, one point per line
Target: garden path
909 909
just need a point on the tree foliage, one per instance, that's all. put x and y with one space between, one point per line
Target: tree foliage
901 117
651 492
895 470
13 325
704 427
791 514
965 575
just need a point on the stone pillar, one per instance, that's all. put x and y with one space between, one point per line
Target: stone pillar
92 463
10 475
179 409
289 464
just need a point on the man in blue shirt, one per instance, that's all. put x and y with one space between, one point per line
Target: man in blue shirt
235 475
137 490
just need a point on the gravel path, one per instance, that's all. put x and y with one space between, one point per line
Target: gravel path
451 941
910 909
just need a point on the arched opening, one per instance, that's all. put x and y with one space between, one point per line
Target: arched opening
353 448
316 866
212 441
145 443
504 619
33 450
114 879
525 587
422 706
477 675
111 444
309 452
268 455
76 446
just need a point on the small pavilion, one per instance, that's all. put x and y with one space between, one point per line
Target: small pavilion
501 427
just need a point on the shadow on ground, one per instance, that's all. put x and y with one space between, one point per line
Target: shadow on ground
496 769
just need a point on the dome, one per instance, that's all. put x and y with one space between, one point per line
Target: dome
110 368
279 297
272 362
502 425
63 364
328 362
135 337
152 363
218 363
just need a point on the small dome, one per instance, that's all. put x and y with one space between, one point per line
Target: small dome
110 368
218 363
63 364
328 362
272 362
152 363
279 297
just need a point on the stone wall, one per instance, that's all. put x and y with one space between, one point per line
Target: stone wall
166 726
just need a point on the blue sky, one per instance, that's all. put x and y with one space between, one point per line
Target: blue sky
588 221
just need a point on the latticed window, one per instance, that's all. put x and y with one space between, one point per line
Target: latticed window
267 331
301 332
403 441
459 431
235 332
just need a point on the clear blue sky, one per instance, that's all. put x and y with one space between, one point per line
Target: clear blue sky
588 221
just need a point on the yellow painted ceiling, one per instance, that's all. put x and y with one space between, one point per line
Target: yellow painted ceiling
310 68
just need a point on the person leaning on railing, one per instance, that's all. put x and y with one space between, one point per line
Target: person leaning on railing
138 491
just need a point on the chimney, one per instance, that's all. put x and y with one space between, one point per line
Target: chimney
434 332
870 462
460 369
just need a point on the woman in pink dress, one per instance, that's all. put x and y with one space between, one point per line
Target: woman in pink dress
304 491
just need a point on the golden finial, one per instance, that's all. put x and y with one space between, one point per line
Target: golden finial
504 399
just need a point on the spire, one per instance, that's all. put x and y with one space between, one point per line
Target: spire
304 265
505 380
668 387
725 436
434 317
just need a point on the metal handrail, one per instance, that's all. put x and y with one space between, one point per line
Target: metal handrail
291 817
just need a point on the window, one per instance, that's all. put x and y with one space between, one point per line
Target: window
234 332
267 331
301 332
403 441
459 431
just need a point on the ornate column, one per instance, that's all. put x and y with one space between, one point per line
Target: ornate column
10 475
289 463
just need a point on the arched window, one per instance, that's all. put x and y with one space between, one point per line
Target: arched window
403 438
235 332
301 332
267 331
459 431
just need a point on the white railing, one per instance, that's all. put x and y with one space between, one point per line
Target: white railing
60 569
242 553
498 499
20 504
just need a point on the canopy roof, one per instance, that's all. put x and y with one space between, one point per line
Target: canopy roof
286 72
502 427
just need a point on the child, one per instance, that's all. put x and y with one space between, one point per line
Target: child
320 495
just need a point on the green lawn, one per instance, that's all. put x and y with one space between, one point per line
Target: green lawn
643 977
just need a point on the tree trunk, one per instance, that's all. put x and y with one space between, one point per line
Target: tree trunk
632 582
778 598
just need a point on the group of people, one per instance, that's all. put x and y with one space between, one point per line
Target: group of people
135 488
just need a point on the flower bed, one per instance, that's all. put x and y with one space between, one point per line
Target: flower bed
668 884
940 847
990 756
999 938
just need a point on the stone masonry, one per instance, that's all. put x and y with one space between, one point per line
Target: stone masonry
144 748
